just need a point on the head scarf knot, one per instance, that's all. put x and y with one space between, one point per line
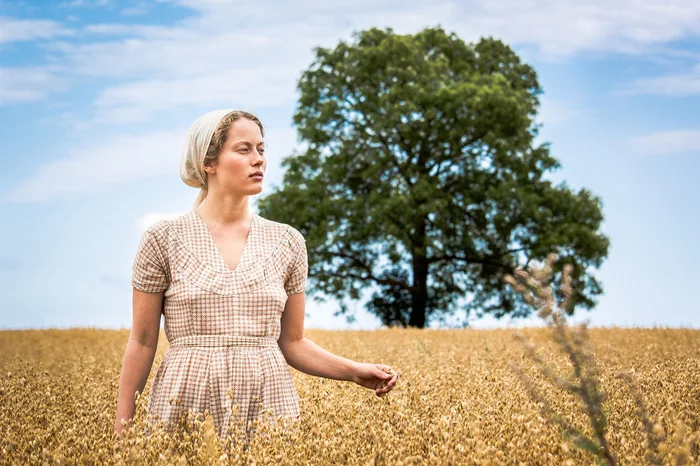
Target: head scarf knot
198 140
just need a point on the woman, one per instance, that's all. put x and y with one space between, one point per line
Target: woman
230 285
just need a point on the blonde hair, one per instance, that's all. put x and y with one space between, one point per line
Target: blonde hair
192 169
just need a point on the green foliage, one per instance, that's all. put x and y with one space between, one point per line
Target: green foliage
419 178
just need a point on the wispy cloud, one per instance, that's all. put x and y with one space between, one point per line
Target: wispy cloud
668 142
269 44
672 85
142 100
562 29
251 55
110 29
28 84
556 111
84 3
205 57
15 30
141 9
102 165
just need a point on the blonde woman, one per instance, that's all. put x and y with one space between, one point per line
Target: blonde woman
230 285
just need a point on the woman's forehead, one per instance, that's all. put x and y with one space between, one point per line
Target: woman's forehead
244 130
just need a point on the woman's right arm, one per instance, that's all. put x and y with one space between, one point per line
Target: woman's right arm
139 354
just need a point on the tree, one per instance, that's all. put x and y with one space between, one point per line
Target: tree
419 178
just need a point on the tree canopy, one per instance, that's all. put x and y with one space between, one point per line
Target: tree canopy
419 179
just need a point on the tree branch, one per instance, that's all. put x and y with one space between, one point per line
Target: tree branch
382 138
370 275
490 260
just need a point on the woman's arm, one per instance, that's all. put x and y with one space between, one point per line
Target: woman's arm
305 356
139 354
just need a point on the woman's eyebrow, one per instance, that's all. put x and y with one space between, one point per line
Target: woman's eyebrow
261 143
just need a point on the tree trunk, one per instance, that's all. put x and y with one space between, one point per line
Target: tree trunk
420 278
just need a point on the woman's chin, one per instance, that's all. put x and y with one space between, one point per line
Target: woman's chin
256 189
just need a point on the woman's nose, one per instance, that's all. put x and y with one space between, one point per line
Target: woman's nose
260 157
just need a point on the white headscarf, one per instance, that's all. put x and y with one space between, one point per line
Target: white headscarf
198 140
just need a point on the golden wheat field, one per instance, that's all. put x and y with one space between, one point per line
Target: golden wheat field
457 401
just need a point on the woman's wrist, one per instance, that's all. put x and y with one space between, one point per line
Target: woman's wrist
353 370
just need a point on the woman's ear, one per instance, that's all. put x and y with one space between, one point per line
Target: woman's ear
209 168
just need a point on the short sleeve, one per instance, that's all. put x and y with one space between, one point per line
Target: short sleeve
299 266
149 271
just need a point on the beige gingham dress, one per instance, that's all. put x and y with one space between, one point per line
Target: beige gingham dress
222 325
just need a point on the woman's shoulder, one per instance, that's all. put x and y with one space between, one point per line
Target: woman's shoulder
281 230
159 230
165 229
180 224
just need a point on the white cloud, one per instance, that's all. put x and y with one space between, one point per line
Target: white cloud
668 142
561 29
99 166
160 52
84 3
27 84
140 101
138 10
250 55
225 49
133 31
180 68
672 85
556 111
270 43
116 29
14 30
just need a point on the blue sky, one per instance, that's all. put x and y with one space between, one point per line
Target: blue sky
96 96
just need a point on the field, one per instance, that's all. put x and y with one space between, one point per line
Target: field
457 401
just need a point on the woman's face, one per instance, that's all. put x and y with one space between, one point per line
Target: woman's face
240 157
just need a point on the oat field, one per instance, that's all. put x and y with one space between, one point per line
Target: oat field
457 401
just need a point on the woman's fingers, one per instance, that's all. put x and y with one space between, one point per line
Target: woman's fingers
388 384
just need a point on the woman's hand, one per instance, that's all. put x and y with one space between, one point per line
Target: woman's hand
379 377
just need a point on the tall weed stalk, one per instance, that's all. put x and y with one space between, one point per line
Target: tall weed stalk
584 384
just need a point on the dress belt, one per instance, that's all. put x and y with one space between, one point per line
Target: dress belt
224 340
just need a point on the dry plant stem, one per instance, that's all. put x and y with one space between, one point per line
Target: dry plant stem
570 432
585 369
576 347
577 437
588 390
642 412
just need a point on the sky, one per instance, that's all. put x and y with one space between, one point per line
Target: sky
96 97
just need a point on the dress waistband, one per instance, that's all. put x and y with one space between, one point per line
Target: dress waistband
224 340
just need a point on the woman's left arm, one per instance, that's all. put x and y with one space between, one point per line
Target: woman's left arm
305 356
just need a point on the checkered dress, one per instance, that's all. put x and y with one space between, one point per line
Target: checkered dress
222 325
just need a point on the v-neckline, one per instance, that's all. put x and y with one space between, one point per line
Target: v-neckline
215 247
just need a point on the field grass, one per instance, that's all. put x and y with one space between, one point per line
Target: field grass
457 401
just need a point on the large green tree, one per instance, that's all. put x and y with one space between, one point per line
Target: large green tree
419 179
